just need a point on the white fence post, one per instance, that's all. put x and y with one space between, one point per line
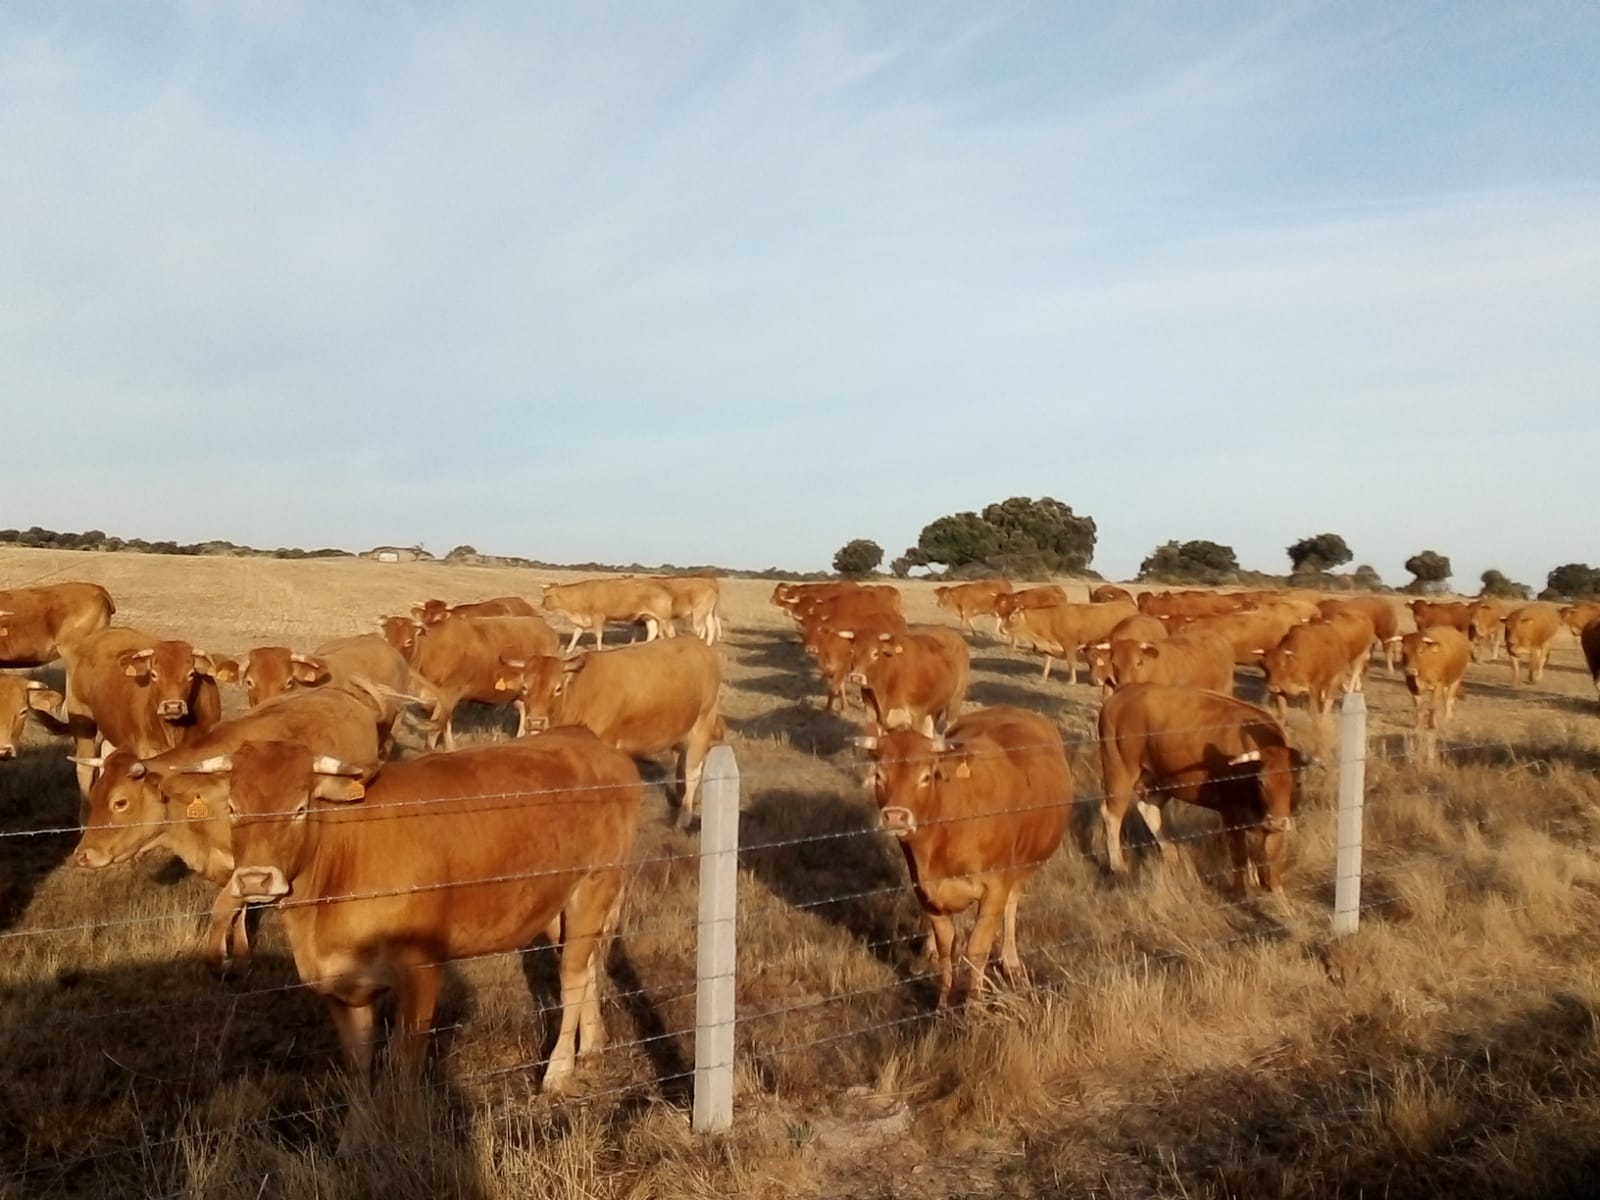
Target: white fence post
1352 795
714 994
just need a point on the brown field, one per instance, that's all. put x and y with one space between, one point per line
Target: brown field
1175 1041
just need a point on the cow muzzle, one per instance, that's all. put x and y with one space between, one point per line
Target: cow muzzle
259 885
172 710
858 678
7 752
92 857
897 821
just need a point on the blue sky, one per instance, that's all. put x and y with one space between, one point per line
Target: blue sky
736 283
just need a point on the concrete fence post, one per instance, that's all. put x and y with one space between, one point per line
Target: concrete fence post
1352 796
715 1012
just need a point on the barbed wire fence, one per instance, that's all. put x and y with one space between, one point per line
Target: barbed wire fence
700 1006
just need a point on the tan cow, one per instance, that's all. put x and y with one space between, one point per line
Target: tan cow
1313 660
460 658
1578 616
1047 595
1104 593
138 805
1190 604
1530 630
1137 628
844 611
1202 659
833 648
138 693
698 600
269 671
447 856
969 600
1380 614
1066 629
912 680
38 623
1486 627
976 813
1253 633
1429 613
643 699
1166 743
1435 662
593 602
431 612
22 699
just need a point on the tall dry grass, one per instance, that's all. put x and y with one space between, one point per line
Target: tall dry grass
1175 1041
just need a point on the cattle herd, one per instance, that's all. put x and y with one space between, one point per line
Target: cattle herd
308 797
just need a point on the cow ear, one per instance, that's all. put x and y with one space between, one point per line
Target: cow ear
312 672
338 788
44 700
135 663
204 664
225 670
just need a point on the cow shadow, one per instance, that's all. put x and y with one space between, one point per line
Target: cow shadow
805 727
478 722
790 686
822 855
124 1080
986 692
781 651
1509 755
1015 668
38 825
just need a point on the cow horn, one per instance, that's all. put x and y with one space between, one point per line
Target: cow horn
572 665
1249 756
305 660
96 763
35 686
147 652
138 771
516 664
865 741
217 764
327 764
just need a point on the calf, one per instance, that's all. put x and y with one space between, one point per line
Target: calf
1205 749
1486 627
976 813
1380 614
698 600
1312 661
969 600
1137 628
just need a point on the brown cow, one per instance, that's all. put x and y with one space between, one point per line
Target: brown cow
431 612
1065 629
1190 604
1312 661
443 857
137 805
593 602
843 610
38 623
976 813
1220 753
21 699
1251 634
1137 628
136 692
643 699
698 600
1529 632
833 648
969 600
1379 612
912 680
1429 613
1044 596
1106 592
1435 663
1202 659
1578 616
1486 626
1589 639
460 658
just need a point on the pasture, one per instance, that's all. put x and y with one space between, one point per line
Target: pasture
1175 1040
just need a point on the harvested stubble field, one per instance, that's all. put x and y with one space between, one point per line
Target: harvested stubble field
1175 1041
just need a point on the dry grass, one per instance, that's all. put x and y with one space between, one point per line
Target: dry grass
1176 1042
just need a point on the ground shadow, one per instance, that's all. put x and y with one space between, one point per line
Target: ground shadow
805 727
38 825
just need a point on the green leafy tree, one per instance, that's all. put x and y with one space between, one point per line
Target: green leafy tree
1499 585
1429 569
1366 576
857 558
1574 581
1321 552
1190 562
1018 535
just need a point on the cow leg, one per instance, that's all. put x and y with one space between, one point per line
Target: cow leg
447 734
1540 657
1269 865
522 717
1151 812
991 914
416 996
1046 674
585 918
227 942
694 764
1281 703
572 642
357 1030
1009 958
1113 807
944 940
1072 665
1238 853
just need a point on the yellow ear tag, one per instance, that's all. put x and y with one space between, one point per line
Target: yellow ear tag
197 810
357 789
963 771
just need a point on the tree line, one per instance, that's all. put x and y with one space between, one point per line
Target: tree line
1023 538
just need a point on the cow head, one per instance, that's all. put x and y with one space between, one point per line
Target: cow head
869 649
1132 660
430 612
20 698
270 671
272 787
1283 669
538 682
403 633
172 671
127 811
908 771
